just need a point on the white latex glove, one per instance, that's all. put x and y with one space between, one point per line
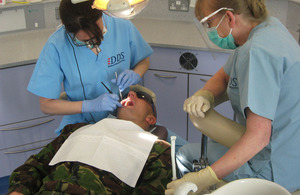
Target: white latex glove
203 179
199 103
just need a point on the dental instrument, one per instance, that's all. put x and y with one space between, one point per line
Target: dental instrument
120 93
106 88
173 139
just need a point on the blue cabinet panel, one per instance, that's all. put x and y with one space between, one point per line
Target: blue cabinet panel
171 91
18 103
176 74
169 59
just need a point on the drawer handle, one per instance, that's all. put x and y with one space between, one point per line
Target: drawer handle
167 77
25 127
204 80
21 151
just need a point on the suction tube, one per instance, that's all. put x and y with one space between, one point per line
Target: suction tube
173 139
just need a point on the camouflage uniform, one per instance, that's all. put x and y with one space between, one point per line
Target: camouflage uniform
37 177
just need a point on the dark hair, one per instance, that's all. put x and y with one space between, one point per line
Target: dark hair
81 16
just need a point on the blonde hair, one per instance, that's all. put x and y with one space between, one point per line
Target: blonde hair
253 10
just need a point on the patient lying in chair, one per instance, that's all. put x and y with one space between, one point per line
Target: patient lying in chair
113 156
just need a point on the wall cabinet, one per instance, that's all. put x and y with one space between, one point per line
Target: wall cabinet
24 129
176 74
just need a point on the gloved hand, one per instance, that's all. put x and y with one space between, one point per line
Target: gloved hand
199 103
126 79
203 179
105 102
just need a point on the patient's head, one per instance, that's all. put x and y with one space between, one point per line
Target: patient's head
139 108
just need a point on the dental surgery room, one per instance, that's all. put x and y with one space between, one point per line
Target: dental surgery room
150 97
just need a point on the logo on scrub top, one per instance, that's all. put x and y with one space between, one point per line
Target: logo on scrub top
233 83
115 60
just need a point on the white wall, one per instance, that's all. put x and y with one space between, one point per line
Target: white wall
278 9
287 11
159 9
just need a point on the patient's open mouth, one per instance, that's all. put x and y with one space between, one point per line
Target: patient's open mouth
127 102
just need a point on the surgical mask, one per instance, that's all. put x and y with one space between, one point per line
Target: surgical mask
211 33
226 42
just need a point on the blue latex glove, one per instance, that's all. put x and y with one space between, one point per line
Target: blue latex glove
126 79
105 102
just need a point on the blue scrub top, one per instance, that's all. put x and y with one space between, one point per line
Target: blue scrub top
265 76
122 48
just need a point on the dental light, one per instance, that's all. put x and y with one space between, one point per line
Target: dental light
118 8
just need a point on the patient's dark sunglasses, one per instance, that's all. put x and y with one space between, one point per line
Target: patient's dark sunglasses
146 97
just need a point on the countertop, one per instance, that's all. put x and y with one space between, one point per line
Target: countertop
24 47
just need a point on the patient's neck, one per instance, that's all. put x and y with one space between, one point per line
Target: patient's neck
143 124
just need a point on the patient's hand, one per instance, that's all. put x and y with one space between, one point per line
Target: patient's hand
15 193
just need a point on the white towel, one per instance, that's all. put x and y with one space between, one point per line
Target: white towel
117 146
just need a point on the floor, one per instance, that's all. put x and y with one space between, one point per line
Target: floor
3 185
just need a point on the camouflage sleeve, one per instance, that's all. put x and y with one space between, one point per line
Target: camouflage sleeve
157 172
27 178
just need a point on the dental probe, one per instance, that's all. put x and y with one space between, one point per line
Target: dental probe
119 87
106 88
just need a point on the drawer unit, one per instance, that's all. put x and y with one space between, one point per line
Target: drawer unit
24 129
28 131
17 144
176 74
16 103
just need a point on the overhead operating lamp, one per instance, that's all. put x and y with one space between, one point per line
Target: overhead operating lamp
118 8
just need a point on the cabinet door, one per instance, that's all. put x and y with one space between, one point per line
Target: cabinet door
16 103
12 158
17 144
171 91
28 131
196 82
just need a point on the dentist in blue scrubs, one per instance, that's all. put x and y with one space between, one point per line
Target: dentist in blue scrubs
262 81
89 48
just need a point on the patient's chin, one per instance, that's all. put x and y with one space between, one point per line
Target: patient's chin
124 113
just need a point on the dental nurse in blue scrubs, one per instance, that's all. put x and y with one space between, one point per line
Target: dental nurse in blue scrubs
89 48
262 81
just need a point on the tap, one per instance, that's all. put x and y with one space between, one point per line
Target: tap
203 161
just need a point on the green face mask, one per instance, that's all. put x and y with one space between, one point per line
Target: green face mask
225 43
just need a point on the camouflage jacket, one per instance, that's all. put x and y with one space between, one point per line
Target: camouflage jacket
37 177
